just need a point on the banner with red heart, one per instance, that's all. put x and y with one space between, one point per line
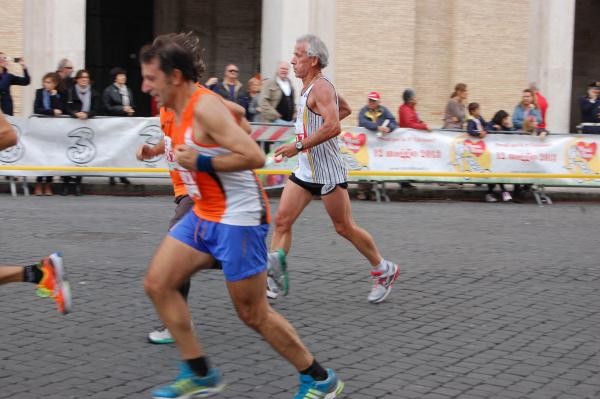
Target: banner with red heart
354 142
586 150
476 148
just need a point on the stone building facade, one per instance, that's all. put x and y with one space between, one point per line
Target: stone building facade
496 47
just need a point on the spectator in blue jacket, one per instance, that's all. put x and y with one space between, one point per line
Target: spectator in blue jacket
526 112
48 101
8 79
375 116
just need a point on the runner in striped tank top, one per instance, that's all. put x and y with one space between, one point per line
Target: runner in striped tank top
321 171
214 158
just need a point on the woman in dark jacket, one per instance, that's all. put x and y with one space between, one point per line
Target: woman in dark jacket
48 100
82 100
8 79
117 98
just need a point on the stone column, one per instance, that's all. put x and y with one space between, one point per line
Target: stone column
54 29
284 21
551 35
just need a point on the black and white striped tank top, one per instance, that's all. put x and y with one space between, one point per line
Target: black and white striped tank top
323 163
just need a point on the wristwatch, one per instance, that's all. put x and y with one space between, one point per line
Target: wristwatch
299 146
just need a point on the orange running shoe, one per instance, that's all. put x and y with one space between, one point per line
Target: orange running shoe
54 283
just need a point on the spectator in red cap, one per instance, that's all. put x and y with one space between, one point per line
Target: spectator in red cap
407 114
375 116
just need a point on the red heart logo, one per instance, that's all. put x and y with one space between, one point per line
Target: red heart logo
354 142
476 148
586 150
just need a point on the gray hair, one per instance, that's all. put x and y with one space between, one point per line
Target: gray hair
316 48
408 95
62 63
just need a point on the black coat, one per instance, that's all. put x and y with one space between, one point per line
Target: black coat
113 102
56 102
7 80
73 103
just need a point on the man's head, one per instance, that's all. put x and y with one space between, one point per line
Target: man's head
168 65
594 89
118 75
3 60
373 100
408 96
232 73
64 68
310 55
283 69
527 98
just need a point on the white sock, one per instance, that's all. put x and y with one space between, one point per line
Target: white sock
382 266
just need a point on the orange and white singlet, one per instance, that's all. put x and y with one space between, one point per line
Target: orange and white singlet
234 198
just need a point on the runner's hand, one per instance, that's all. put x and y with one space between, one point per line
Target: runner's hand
186 156
144 152
287 150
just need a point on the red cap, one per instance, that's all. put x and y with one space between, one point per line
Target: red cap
374 96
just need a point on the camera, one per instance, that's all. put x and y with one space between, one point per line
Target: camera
18 59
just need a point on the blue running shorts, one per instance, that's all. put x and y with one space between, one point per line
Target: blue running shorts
242 250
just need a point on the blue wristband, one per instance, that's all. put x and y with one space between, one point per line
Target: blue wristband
204 164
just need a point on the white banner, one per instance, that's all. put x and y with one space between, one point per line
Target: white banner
68 142
440 151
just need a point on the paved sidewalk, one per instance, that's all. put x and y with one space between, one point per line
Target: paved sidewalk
493 302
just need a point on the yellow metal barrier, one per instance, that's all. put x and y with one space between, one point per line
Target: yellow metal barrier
398 173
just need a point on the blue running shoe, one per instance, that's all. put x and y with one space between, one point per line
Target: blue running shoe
328 389
189 385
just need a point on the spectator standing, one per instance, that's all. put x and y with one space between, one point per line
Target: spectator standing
251 99
454 115
526 114
7 79
82 100
378 119
64 69
117 98
407 114
590 104
540 102
277 97
48 101
477 127
230 87
375 116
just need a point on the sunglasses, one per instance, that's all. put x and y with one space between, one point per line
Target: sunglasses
233 70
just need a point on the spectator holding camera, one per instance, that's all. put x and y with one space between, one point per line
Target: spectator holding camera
7 79
526 115
83 101
117 98
590 104
48 101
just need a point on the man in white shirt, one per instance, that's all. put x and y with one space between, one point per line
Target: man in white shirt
277 97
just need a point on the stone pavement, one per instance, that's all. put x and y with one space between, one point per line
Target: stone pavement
494 301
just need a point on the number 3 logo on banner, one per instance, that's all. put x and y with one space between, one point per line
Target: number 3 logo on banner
83 149
14 153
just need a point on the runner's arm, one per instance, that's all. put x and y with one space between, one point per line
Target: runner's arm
8 137
240 114
344 108
216 122
146 151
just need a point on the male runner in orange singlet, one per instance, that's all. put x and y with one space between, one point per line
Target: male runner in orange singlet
229 222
